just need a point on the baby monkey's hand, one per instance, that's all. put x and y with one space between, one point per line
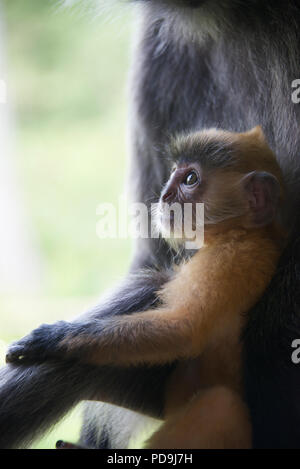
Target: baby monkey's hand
43 343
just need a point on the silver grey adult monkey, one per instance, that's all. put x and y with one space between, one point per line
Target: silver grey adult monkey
197 64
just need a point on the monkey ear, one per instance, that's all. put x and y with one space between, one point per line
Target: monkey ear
258 133
263 196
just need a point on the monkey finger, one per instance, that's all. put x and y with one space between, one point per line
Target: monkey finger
14 355
39 345
21 355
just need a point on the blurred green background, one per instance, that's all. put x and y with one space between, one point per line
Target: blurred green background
66 84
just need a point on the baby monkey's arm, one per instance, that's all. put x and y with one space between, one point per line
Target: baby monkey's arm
154 336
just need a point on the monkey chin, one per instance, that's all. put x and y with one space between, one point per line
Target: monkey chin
174 234
169 229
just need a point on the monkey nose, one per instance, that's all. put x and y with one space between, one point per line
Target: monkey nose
168 196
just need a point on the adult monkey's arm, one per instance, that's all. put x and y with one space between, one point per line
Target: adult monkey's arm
34 398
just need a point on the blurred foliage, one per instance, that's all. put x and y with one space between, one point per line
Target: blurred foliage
67 75
66 82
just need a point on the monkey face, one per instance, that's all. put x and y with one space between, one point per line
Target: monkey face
177 210
189 185
235 176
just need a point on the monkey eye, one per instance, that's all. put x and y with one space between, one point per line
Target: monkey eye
191 179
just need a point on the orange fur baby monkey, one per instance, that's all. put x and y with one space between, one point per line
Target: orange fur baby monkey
204 303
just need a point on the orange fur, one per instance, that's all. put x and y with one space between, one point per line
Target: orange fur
216 418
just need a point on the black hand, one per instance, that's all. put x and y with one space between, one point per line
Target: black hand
42 343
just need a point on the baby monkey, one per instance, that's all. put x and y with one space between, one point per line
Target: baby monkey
203 305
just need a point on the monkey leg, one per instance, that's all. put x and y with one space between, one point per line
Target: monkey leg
216 418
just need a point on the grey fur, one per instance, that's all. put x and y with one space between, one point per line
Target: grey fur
209 151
